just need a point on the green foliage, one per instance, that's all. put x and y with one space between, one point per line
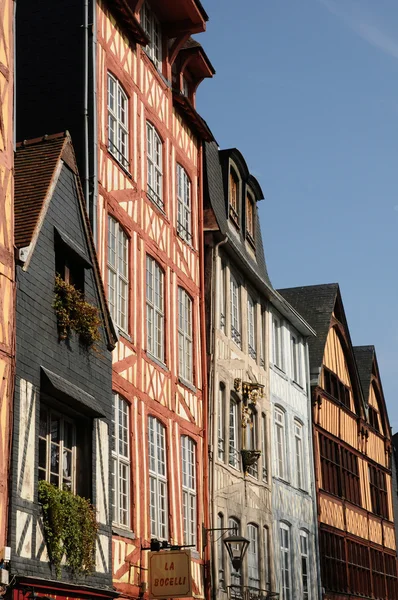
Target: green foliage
75 314
70 529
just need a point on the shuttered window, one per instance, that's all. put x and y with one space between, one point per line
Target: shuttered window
378 492
333 562
350 472
336 388
358 568
330 465
390 565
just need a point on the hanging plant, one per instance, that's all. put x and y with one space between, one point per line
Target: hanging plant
70 529
75 314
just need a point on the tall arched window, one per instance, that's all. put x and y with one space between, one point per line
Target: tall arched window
189 489
221 552
118 129
158 500
120 462
285 560
154 308
118 274
253 557
220 422
184 206
234 422
305 565
234 529
299 454
154 165
280 445
265 561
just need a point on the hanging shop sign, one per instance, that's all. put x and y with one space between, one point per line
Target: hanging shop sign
170 574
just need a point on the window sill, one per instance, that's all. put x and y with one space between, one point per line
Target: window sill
188 385
121 532
158 72
157 362
279 370
298 386
189 244
125 335
157 206
119 164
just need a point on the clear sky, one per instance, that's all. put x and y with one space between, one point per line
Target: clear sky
308 92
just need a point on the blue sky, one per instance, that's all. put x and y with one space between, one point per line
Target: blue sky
308 91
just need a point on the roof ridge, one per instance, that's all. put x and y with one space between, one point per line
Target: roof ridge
44 138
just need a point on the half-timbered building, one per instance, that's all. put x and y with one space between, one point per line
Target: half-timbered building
352 451
293 484
62 401
7 328
126 90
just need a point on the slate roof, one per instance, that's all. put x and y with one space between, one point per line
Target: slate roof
315 303
214 190
364 356
36 164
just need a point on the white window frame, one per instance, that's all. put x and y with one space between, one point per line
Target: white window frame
189 501
264 447
154 165
251 327
305 565
184 205
222 296
251 442
121 467
280 443
221 552
234 424
220 422
295 350
47 442
235 302
286 566
118 124
253 566
118 273
262 336
185 335
155 309
277 342
266 556
158 483
299 454
152 28
236 576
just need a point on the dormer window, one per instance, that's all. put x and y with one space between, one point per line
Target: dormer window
151 26
250 217
185 87
234 196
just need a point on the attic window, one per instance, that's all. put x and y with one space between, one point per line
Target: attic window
374 418
70 260
250 218
185 86
151 26
336 388
234 196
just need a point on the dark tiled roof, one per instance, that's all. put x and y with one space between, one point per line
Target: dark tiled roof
364 356
35 163
315 303
214 193
190 43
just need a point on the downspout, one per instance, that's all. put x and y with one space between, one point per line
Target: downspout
212 383
95 158
312 471
206 520
85 112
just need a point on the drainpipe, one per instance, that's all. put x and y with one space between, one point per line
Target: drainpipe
212 384
95 157
85 111
312 471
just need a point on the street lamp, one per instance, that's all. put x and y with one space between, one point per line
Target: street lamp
236 546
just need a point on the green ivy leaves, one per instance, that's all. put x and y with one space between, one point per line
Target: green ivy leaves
70 529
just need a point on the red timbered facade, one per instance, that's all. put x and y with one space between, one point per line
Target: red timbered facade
150 247
352 454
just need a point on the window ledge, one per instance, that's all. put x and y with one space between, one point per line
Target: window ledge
156 205
188 385
126 533
119 164
299 387
157 362
125 335
279 370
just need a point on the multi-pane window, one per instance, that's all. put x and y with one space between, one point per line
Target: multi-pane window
251 327
295 351
277 342
253 556
285 558
299 455
336 388
154 165
158 501
333 561
188 489
350 474
266 557
390 562
57 449
220 552
118 281
184 217
305 565
220 422
234 195
151 26
235 310
251 442
118 130
154 308
262 337
378 574
185 335
234 529
330 465
223 308
250 218
280 439
264 446
378 492
234 457
374 418
120 462
358 568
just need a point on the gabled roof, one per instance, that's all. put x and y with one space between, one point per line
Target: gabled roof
37 166
364 356
315 303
